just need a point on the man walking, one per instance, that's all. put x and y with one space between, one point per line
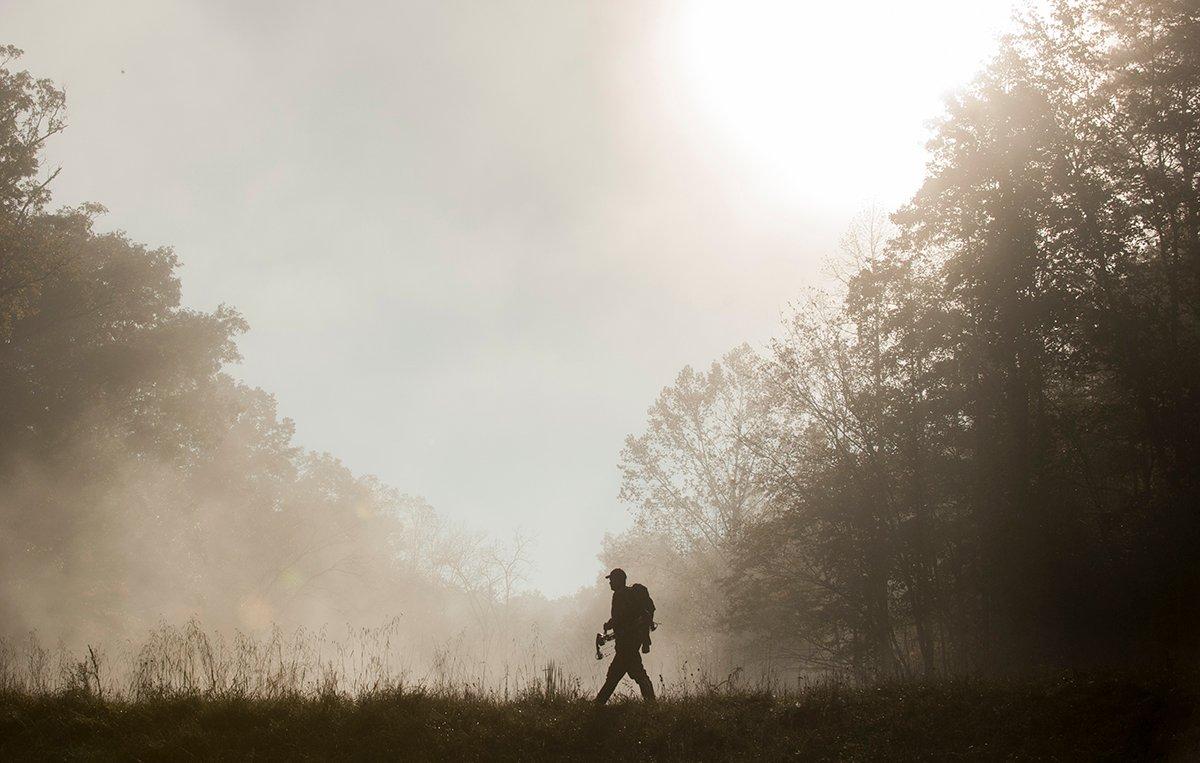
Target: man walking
632 616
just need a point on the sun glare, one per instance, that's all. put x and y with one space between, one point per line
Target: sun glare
826 98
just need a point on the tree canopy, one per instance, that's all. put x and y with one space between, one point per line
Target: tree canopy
982 450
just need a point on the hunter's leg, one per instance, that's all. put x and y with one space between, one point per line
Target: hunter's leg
637 672
616 671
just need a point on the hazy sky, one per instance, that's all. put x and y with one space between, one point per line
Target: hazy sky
473 240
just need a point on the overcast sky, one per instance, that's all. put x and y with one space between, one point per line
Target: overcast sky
473 240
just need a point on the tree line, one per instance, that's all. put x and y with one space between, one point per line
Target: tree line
979 452
140 481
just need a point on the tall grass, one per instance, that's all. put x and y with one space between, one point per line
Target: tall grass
1069 719
184 692
188 660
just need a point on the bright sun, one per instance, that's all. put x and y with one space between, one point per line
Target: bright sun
824 97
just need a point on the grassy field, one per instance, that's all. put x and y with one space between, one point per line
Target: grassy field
1063 719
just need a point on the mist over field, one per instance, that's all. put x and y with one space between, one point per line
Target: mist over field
472 240
866 339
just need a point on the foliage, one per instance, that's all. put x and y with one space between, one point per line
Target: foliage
980 454
139 480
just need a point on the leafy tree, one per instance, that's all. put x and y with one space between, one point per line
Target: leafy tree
139 481
985 454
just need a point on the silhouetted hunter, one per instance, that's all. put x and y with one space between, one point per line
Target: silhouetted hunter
631 623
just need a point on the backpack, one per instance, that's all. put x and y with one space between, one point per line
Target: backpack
641 594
